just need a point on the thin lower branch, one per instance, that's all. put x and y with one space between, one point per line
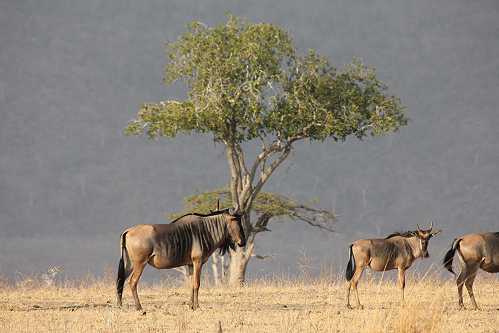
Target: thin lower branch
312 222
266 174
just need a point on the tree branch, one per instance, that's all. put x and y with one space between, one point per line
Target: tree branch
241 158
266 152
234 182
276 146
313 220
261 224
267 173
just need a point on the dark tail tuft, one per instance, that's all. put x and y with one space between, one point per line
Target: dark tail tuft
350 266
120 280
449 256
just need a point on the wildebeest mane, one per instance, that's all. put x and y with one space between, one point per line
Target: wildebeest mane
406 234
202 215
225 246
228 242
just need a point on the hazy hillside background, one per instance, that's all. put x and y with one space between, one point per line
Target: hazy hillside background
72 73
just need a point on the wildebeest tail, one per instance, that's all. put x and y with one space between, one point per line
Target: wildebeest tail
350 266
122 271
449 256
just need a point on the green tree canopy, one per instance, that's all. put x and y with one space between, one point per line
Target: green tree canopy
245 81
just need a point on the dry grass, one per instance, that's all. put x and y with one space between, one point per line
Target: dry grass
262 306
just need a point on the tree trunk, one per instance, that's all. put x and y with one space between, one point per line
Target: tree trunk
224 267
239 260
214 266
187 272
237 268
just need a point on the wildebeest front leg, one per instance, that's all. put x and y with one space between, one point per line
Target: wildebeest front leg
401 275
196 281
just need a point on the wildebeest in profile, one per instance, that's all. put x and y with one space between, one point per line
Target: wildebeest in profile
474 251
397 251
189 240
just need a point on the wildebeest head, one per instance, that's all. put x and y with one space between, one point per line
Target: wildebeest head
424 237
235 227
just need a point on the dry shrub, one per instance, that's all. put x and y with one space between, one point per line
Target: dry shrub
4 282
27 281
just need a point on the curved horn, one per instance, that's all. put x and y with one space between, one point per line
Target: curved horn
419 229
236 209
431 226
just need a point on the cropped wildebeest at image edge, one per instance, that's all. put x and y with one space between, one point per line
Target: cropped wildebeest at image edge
474 252
189 240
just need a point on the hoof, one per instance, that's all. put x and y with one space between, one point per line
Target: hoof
349 307
360 307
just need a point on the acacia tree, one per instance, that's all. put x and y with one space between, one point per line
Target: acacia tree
267 206
246 83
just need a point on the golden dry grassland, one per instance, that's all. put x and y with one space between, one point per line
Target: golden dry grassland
277 305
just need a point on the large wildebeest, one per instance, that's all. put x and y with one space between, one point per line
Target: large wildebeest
189 240
474 251
397 251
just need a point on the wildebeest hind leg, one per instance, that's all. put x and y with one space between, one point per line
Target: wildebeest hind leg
349 286
466 273
353 284
138 268
469 285
460 283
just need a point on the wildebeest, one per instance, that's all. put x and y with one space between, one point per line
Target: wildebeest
474 251
397 251
189 240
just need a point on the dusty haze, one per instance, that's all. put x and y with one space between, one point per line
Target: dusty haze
72 73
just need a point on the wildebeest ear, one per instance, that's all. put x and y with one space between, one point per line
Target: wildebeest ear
234 211
436 232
